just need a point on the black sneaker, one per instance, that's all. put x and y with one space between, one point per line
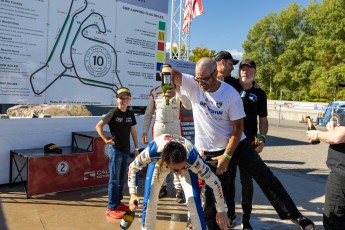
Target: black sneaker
232 222
246 225
304 223
179 196
163 192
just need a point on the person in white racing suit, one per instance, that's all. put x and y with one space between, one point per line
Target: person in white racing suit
173 153
167 117
166 120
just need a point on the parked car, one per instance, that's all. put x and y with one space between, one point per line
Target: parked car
335 111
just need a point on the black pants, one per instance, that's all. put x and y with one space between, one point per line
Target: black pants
334 210
247 192
248 160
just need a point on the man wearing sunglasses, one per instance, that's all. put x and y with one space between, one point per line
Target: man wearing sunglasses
172 153
218 119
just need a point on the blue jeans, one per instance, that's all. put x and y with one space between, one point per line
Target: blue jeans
117 176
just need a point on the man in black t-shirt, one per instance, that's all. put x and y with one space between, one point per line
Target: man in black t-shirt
121 123
254 101
255 104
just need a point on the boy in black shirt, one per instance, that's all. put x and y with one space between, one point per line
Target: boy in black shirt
121 123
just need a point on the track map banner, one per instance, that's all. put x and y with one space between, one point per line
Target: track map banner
80 51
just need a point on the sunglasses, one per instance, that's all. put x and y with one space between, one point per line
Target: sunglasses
204 80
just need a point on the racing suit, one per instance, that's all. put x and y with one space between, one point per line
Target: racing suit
189 180
167 117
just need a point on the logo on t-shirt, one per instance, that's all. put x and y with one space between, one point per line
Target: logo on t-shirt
203 104
119 119
219 104
253 97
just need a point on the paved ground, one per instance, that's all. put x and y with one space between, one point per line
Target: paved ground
299 165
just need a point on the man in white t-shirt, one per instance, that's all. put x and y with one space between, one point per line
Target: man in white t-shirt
218 119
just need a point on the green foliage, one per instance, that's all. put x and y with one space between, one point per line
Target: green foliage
301 50
197 53
200 52
175 52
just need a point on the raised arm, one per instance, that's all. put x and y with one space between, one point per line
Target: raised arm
186 103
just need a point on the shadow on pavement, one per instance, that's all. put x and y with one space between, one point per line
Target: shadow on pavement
278 141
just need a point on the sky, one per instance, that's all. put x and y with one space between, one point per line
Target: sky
225 24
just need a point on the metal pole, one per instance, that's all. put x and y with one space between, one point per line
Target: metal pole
280 108
171 27
181 29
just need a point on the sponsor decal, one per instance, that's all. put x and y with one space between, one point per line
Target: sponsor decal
176 138
138 163
197 165
89 175
217 112
219 189
97 174
206 171
201 170
118 119
129 174
203 104
219 104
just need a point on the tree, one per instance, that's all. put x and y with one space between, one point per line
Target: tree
200 52
175 52
300 50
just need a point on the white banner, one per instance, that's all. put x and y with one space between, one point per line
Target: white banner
78 51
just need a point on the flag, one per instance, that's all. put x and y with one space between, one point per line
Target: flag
192 9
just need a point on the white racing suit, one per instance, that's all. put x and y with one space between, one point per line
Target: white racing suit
167 117
189 180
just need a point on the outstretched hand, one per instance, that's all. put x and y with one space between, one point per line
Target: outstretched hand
223 163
